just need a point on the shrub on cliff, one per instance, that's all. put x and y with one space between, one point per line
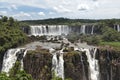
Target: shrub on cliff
17 74
110 35
3 76
72 37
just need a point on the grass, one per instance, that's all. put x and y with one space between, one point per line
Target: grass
112 44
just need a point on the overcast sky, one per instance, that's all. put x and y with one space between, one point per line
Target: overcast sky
76 9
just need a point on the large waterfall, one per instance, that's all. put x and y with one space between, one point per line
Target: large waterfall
58 65
83 27
49 30
39 30
10 57
93 64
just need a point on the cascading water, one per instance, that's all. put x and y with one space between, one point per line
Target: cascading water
55 64
92 32
10 58
59 30
58 65
22 66
118 28
83 27
61 66
49 30
84 74
93 65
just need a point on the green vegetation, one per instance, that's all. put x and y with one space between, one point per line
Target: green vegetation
16 74
115 45
107 35
72 37
57 78
10 33
64 21
67 21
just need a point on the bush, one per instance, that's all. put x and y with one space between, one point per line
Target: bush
72 37
110 35
10 34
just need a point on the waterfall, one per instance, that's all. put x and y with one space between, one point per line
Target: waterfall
55 30
55 64
83 29
10 58
58 65
22 65
114 27
49 30
61 66
92 32
93 65
118 28
83 67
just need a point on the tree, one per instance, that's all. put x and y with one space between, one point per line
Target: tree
110 35
4 18
11 21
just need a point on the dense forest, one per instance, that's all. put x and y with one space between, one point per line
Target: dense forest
10 33
71 21
11 36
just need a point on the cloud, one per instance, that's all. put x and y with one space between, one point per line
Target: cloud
3 12
41 13
14 6
21 14
83 7
51 13
95 0
61 9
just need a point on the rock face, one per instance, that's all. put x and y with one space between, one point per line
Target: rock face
26 29
76 67
1 60
109 61
38 64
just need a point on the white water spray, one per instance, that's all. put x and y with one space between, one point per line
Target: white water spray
118 28
10 58
83 29
58 65
93 65
49 30
92 32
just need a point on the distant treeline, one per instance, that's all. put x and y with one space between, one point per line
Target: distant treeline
70 21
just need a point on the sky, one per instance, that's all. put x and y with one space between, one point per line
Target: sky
74 9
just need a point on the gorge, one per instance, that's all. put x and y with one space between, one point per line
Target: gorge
81 64
50 55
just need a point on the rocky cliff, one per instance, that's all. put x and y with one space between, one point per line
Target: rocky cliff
39 64
109 64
